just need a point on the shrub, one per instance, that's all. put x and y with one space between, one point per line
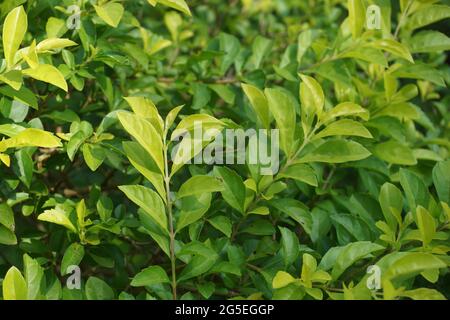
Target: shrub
100 100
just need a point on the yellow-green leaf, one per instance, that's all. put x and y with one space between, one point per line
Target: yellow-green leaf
57 216
259 103
282 279
12 78
31 138
145 134
110 12
176 4
54 44
14 29
356 16
49 74
145 108
14 285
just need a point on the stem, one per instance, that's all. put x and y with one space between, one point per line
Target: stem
403 16
171 230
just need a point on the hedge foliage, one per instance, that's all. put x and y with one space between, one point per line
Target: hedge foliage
94 95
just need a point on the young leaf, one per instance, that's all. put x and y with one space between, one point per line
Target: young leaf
145 134
426 225
312 98
110 12
149 201
179 5
344 127
14 285
57 216
14 29
34 274
356 16
282 106
259 103
47 73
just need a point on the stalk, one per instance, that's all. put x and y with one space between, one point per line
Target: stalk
171 229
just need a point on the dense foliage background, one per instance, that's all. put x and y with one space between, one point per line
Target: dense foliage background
365 169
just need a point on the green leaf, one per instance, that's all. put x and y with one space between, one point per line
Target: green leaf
336 151
34 275
74 144
7 236
426 225
300 172
24 166
223 224
14 285
198 185
356 16
366 54
395 153
295 210
391 202
145 134
261 47
12 78
192 209
262 211
54 44
224 92
312 99
282 279
290 245
282 107
412 263
23 95
111 13
393 47
171 116
105 207
441 180
415 190
97 289
423 294
31 138
57 216
149 201
145 165
47 73
429 41
259 103
427 16
234 188
351 253
345 109
14 29
145 108
94 155
150 276
179 5
344 127
203 258
7 217
72 257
